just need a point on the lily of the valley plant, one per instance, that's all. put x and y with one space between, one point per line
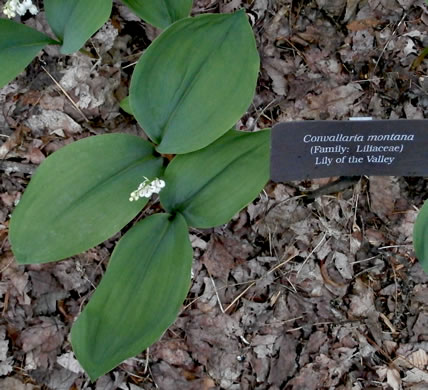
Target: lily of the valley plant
187 92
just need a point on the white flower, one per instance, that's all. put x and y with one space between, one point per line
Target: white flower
20 9
147 188
158 184
13 7
10 13
33 10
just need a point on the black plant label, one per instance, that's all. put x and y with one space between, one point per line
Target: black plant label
314 149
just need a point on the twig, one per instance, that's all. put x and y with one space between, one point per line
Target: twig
281 264
381 351
394 246
239 296
132 374
367 80
274 101
388 41
355 227
282 202
7 265
311 253
366 270
190 304
153 379
388 323
216 294
338 185
98 60
361 261
146 366
325 323
285 321
66 95
255 281
396 290
129 65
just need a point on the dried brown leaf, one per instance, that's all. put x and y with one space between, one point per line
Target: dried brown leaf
52 120
218 259
15 384
42 341
364 24
173 352
337 102
384 193
13 141
285 365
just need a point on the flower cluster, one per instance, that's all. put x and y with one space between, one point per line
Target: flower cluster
14 7
147 188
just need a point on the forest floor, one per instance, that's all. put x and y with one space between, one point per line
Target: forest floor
293 293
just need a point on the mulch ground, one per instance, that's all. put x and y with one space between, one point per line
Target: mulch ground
293 293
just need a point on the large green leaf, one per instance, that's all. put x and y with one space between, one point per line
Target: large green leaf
420 237
160 13
209 186
79 197
74 21
195 81
140 295
19 44
126 106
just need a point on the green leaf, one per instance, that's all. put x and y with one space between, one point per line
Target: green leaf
209 186
138 298
126 106
419 59
160 13
19 44
75 21
79 197
420 237
195 81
